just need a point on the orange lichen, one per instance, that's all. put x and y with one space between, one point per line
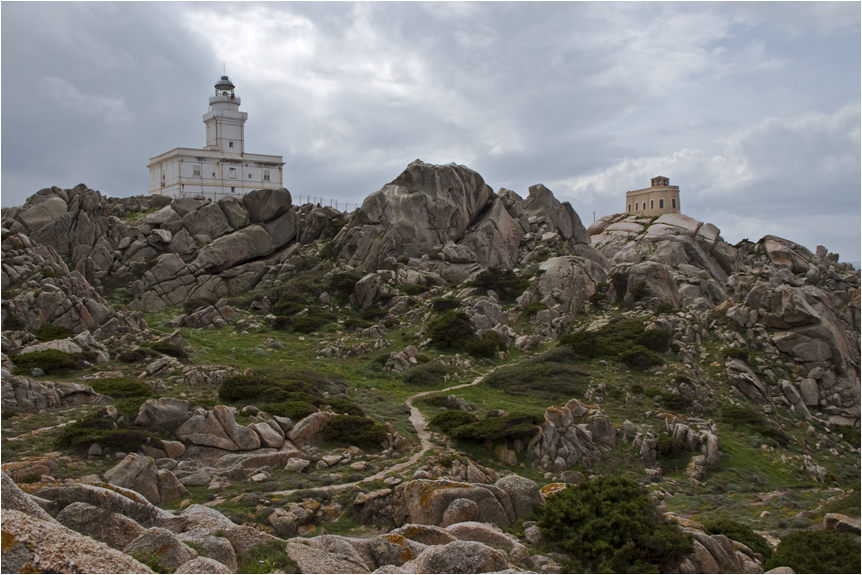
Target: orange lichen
395 539
552 488
7 541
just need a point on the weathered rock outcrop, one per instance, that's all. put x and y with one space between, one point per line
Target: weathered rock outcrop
572 434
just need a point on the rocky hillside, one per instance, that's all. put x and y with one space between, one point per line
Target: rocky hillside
437 382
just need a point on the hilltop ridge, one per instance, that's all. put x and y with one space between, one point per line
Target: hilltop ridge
255 384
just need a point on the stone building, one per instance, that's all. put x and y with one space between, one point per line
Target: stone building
660 198
222 168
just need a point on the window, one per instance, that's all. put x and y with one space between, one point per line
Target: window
630 207
636 206
232 173
249 176
196 170
661 203
232 189
651 204
213 174
673 202
230 144
266 175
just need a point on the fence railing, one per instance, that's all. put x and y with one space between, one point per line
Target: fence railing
319 200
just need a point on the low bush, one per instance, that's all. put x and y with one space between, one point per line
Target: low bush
49 361
668 446
341 285
487 345
817 552
415 289
534 308
505 283
354 430
314 321
639 357
445 304
737 416
451 331
424 375
451 419
170 349
136 355
128 394
674 401
657 340
295 410
521 426
51 332
615 339
612 525
737 353
549 374
98 429
739 532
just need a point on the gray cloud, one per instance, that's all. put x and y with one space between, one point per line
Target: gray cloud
752 108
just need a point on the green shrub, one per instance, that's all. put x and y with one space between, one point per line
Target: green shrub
128 394
738 416
451 331
639 357
340 405
534 308
353 430
609 341
50 332
170 349
505 283
549 374
847 505
332 227
445 304
49 361
669 446
12 323
424 375
583 343
487 345
121 387
664 307
314 321
657 340
266 558
415 289
98 429
738 532
612 525
674 401
451 419
295 410
521 426
341 285
287 307
817 552
135 355
600 295
737 353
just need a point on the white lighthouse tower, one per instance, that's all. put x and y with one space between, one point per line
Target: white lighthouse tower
222 168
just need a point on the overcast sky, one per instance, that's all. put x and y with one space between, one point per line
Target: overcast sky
752 109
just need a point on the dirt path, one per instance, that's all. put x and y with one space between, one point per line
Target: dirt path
421 426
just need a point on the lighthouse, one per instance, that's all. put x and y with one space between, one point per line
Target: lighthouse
222 168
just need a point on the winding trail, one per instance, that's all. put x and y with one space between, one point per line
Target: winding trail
421 427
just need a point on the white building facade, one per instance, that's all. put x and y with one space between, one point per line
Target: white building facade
222 168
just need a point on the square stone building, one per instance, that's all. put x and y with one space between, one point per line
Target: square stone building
660 198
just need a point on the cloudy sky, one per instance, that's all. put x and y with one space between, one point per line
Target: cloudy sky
752 109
